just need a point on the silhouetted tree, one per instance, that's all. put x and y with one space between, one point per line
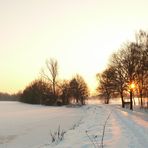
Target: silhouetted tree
65 92
119 79
79 89
106 84
128 65
50 74
38 92
129 62
142 66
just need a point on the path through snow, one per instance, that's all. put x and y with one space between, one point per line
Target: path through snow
133 127
125 129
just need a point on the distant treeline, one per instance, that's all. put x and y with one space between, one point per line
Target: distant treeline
8 97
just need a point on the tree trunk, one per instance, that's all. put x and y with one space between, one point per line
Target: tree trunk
121 94
107 100
77 100
131 101
53 87
141 101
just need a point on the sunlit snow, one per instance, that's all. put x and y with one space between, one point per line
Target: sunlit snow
29 126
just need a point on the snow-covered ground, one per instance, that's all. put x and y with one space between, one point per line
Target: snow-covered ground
28 126
124 129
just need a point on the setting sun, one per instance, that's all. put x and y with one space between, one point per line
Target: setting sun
132 86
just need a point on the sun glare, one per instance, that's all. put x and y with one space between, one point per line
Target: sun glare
132 86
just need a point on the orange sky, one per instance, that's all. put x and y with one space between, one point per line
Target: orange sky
80 34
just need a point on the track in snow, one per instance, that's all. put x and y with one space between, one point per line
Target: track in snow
132 128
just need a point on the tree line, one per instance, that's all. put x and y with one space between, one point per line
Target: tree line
127 72
48 90
9 97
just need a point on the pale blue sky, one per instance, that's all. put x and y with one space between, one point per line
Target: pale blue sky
80 34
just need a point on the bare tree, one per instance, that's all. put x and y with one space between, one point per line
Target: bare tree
106 84
128 70
129 63
142 67
120 75
51 73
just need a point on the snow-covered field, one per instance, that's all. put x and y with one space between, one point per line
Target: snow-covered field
29 126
